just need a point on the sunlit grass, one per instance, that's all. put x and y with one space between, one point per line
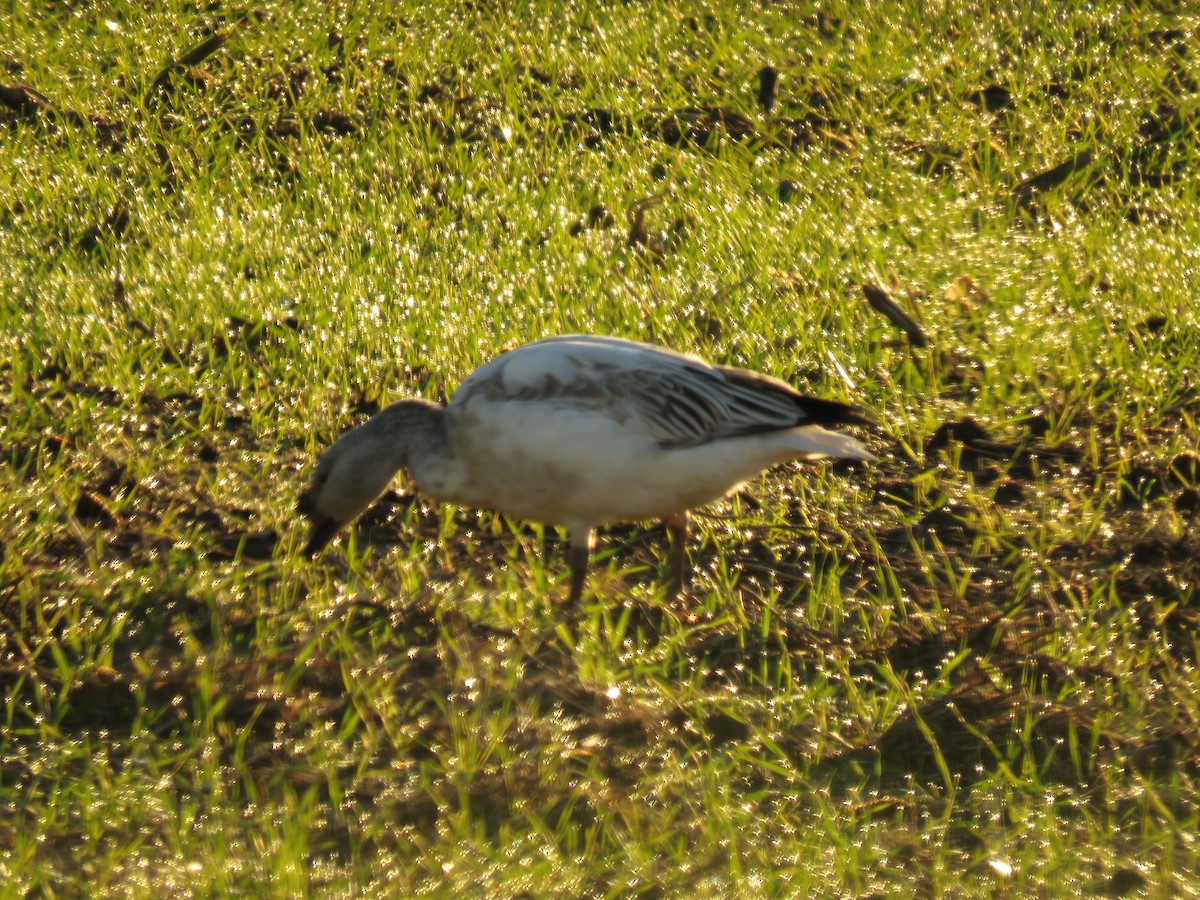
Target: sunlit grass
968 669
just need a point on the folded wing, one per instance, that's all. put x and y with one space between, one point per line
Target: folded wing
677 400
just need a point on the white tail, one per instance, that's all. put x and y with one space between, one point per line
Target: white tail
814 442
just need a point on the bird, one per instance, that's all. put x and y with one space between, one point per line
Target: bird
581 431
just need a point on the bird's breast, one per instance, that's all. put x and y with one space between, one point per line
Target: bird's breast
555 464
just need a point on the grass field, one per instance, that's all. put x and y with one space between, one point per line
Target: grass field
229 233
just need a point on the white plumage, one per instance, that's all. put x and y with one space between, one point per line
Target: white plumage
581 431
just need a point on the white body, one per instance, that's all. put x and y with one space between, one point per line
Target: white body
581 432
538 435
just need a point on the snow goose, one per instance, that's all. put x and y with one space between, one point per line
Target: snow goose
581 431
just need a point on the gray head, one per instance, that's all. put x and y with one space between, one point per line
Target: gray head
357 468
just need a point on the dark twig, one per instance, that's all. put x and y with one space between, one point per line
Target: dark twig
1051 178
882 303
192 57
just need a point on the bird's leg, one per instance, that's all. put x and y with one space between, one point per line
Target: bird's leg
677 529
579 546
577 559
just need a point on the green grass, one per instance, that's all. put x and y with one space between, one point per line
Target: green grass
967 670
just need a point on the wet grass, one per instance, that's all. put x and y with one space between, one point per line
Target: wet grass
228 234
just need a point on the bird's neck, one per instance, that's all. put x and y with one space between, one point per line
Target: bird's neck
415 437
407 431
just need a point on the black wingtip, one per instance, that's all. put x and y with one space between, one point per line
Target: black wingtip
857 417
830 412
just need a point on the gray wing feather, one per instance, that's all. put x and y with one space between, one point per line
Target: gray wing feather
684 407
680 404
675 400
